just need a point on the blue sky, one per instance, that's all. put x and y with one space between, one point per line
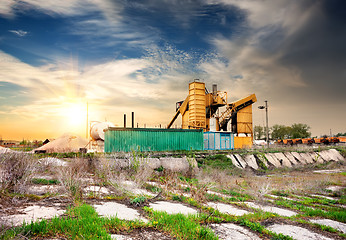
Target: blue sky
123 56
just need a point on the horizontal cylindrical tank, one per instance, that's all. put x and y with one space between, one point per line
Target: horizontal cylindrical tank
97 130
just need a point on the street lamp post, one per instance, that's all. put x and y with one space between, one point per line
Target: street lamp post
267 128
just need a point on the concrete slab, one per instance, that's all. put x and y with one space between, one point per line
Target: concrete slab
280 211
131 187
143 235
228 209
40 176
334 224
240 160
140 191
274 196
335 188
56 162
283 159
87 180
300 159
329 171
121 211
336 155
175 164
32 214
97 189
317 158
296 232
172 208
291 158
322 196
120 237
307 157
43 189
230 231
151 162
263 159
325 155
235 161
251 161
272 160
218 194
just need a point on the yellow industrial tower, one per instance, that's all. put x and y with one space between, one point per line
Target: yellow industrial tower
200 110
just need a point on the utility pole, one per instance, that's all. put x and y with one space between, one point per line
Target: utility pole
87 120
267 127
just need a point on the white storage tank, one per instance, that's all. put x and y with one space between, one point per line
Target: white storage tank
97 130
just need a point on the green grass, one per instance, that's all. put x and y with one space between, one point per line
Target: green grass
43 181
219 161
250 220
79 223
180 226
334 213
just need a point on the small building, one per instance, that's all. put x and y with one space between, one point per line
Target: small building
218 140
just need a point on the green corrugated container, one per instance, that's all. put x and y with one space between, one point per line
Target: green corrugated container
152 139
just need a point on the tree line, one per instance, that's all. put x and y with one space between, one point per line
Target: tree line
296 130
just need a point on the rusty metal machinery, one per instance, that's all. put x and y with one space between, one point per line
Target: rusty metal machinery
201 110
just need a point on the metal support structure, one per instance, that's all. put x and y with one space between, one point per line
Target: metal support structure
133 119
124 120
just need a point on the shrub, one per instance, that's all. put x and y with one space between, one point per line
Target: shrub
15 170
71 179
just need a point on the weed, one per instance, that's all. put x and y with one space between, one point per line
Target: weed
260 159
179 198
152 188
138 200
159 169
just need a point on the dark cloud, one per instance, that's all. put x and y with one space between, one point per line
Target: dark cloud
318 50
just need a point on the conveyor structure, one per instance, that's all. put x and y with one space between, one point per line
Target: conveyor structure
211 112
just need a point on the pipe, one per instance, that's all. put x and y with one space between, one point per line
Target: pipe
124 120
133 119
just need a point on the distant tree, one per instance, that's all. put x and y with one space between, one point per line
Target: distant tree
300 130
280 132
25 142
297 130
259 132
340 134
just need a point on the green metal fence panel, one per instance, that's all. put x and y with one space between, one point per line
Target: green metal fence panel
152 139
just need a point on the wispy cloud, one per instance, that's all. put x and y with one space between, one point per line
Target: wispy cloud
19 32
114 86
